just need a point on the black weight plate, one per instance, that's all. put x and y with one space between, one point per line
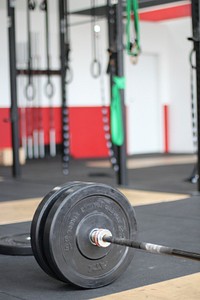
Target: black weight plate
67 229
38 222
18 244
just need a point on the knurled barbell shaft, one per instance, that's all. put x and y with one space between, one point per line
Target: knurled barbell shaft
103 237
152 248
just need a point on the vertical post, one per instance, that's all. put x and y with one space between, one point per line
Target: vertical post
115 34
122 175
14 116
65 125
111 16
196 39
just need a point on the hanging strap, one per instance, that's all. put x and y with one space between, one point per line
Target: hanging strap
193 106
95 67
117 128
133 48
193 102
31 4
49 87
68 69
30 91
194 177
192 52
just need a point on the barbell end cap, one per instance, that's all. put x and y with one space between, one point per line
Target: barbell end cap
97 236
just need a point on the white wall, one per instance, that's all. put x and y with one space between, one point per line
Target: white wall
4 65
180 106
147 91
84 89
83 4
168 40
144 109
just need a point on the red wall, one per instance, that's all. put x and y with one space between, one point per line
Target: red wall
5 129
159 13
86 129
87 134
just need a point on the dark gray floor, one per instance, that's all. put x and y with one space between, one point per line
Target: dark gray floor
39 177
174 224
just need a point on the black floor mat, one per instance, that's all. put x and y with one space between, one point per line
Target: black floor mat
40 176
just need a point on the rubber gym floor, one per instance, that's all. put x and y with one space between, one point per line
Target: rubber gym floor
167 210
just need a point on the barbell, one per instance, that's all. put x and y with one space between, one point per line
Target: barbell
83 233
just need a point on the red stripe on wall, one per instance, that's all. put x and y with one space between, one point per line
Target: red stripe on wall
87 138
86 128
167 13
166 128
5 128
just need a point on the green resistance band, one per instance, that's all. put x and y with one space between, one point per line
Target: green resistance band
116 118
132 7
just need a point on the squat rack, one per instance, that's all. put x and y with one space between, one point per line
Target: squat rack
114 11
14 114
115 36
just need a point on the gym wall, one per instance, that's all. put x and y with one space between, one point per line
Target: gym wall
161 77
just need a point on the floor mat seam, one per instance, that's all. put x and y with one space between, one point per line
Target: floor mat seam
8 294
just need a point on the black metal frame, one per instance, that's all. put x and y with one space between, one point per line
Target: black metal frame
122 151
196 40
64 118
115 37
14 114
100 11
